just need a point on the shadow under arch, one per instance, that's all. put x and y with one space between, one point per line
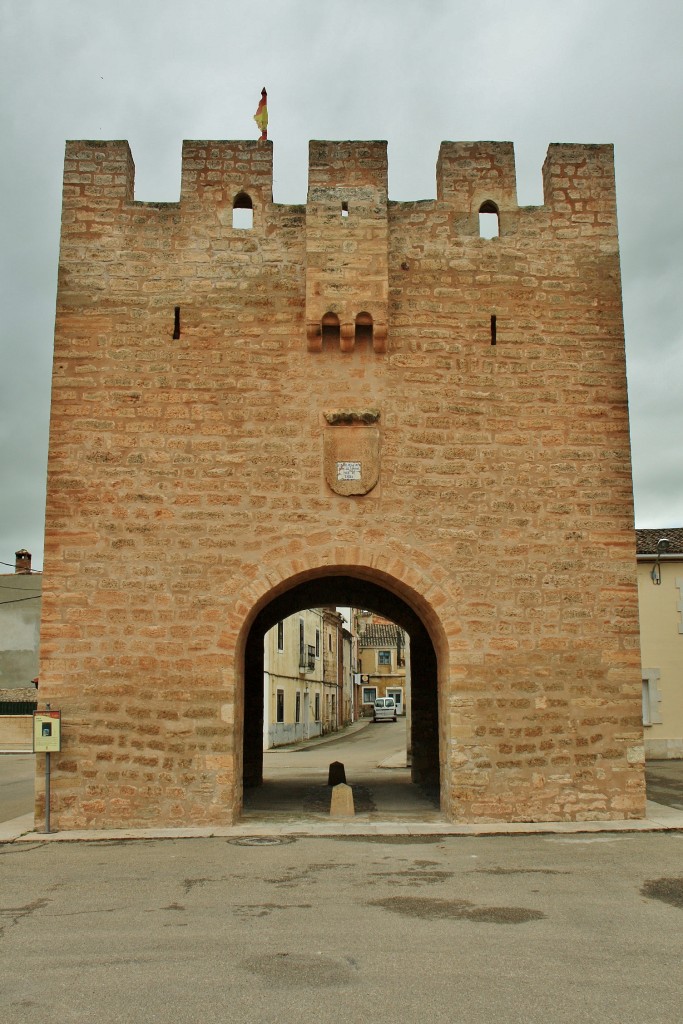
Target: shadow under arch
354 591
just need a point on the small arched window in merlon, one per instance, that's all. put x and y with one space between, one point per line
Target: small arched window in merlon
364 328
330 326
242 212
489 223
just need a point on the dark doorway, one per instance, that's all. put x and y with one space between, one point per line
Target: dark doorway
350 591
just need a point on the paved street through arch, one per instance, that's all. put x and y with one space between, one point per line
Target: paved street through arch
374 756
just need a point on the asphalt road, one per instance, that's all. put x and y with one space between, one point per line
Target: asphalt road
530 930
16 785
553 929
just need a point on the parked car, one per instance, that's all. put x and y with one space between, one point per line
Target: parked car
384 710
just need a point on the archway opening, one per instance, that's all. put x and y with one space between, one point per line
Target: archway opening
243 212
489 220
422 741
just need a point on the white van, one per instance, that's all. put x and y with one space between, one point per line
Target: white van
384 710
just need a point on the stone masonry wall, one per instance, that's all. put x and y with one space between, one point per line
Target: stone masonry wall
186 483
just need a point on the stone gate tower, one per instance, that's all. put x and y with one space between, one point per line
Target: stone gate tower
355 399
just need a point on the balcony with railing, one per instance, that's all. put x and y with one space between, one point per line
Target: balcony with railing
306 658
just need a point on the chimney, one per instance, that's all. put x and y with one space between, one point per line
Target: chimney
22 561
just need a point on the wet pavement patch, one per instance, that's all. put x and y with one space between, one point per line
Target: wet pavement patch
295 970
520 871
457 910
293 875
247 910
390 840
190 883
262 841
667 890
414 876
110 844
504 915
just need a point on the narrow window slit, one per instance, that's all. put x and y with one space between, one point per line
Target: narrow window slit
330 329
176 324
345 209
493 329
364 328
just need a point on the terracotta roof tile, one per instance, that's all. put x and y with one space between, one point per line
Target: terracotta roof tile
18 693
380 635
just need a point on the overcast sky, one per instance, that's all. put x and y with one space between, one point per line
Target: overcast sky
413 72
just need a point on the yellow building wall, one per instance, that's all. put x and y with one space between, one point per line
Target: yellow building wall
16 733
661 641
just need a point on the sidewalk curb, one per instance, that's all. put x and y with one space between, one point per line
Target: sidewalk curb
660 819
320 741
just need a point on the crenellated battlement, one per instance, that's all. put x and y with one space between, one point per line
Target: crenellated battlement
226 223
215 172
468 174
471 173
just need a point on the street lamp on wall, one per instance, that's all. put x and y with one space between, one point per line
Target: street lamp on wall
663 545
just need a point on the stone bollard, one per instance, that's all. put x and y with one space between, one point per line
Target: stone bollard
341 805
336 774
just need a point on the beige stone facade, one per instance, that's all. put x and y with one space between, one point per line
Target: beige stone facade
294 688
356 402
306 677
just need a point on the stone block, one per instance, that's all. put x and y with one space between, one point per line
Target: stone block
341 804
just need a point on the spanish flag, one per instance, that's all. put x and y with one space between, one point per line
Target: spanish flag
261 115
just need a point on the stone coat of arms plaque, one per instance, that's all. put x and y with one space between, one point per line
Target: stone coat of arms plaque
351 451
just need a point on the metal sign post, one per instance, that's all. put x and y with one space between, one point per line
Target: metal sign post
47 736
47 792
